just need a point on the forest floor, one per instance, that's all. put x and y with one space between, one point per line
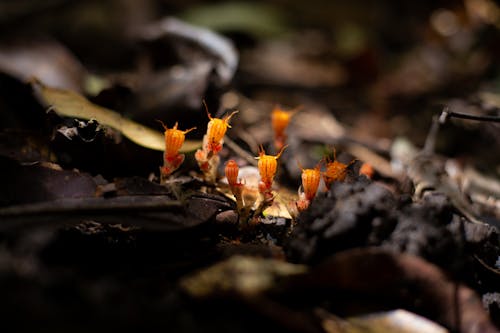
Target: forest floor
371 205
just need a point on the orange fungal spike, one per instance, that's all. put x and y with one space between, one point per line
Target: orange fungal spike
310 181
231 170
280 120
216 129
367 170
335 170
268 165
174 139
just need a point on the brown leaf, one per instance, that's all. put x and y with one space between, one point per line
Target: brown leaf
71 104
405 280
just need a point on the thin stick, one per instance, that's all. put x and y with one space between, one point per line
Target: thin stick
430 141
240 151
446 113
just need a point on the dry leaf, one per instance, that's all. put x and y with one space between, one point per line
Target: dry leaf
284 200
71 104
397 321
240 274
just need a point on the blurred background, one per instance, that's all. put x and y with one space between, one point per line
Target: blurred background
381 68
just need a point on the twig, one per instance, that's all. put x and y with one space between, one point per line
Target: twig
380 164
430 141
240 151
485 265
446 113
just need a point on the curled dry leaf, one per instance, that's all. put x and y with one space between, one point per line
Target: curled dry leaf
213 46
71 104
181 65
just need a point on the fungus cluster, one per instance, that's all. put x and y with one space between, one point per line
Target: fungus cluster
246 196
334 171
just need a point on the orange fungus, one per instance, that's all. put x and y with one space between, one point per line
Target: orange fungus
174 139
310 182
268 165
